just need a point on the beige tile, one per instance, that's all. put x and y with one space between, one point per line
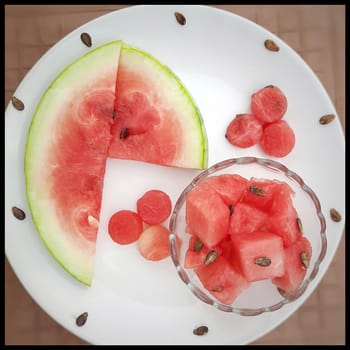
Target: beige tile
266 17
314 59
292 39
50 29
21 338
288 18
11 79
28 34
11 58
313 39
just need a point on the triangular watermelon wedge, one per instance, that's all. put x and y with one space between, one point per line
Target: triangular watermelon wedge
78 124
156 120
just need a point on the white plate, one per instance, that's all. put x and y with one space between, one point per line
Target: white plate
221 59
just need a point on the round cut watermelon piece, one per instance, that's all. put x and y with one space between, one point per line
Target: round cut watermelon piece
269 104
244 130
278 139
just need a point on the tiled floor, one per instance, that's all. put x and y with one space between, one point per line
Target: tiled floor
317 33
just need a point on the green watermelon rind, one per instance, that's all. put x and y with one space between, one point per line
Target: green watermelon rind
85 276
203 162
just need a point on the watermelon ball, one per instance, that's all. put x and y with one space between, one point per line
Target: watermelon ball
269 104
154 207
125 227
278 139
244 131
153 244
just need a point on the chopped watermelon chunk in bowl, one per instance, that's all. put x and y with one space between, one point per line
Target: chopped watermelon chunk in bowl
253 236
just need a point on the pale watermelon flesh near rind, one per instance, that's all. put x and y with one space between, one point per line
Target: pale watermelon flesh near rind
163 122
65 158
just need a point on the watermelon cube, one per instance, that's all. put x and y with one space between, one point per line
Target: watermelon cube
222 280
283 219
229 186
246 219
196 253
262 193
260 255
298 256
207 215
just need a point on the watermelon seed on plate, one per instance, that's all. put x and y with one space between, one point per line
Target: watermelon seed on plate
326 119
18 213
86 39
257 190
201 330
263 261
300 226
268 87
231 207
211 257
81 319
271 45
17 103
305 259
335 215
180 18
124 133
198 245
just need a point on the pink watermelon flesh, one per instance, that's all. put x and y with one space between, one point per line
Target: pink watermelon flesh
79 202
283 219
246 219
207 215
260 226
270 189
244 131
249 247
152 110
222 280
195 258
269 104
295 271
278 139
229 186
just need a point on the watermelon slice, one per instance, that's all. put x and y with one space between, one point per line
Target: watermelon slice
157 111
75 128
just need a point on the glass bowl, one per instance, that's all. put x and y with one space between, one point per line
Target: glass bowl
261 296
